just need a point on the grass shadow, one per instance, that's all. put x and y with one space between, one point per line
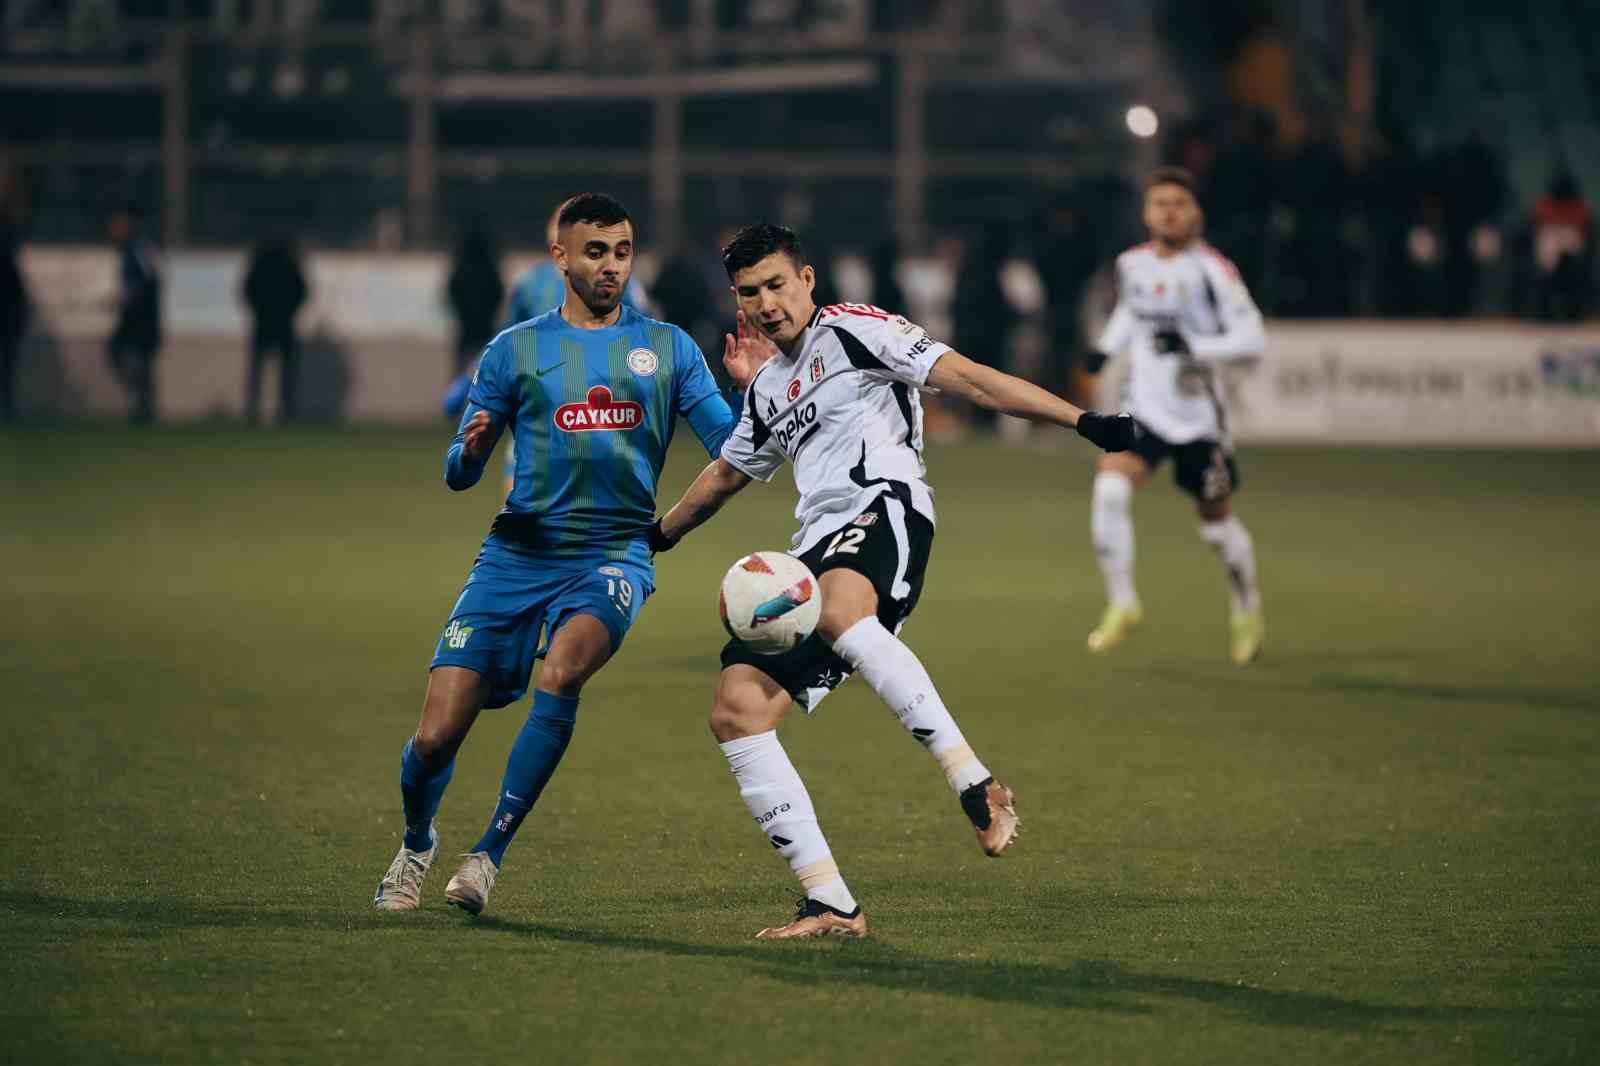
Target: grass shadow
1099 985
1558 699
1088 984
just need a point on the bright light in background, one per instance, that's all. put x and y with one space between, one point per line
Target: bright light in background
1142 121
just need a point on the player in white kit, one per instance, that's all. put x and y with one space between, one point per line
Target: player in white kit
1181 310
838 399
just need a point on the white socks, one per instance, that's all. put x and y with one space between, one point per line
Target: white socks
1111 525
778 801
1238 554
897 676
1111 529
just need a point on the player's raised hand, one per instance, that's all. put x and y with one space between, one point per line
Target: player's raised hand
746 351
1112 433
479 437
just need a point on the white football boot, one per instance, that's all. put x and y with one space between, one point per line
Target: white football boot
469 888
401 887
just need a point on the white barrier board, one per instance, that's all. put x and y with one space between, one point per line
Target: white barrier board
378 340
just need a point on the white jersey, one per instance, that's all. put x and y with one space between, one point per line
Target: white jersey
844 408
1198 293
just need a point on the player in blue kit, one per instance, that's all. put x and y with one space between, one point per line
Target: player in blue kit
591 391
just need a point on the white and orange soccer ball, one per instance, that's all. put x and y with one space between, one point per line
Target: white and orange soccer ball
770 602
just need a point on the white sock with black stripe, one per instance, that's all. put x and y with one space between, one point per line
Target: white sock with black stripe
1236 549
900 680
776 797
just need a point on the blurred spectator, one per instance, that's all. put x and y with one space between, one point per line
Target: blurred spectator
681 294
884 265
1238 192
137 337
476 290
275 289
980 316
1472 188
1425 246
1563 249
1065 260
826 291
13 317
1391 188
1312 186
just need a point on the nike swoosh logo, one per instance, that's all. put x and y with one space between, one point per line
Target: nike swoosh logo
514 796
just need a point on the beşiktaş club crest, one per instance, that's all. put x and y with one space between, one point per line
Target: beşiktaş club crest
817 367
599 412
643 361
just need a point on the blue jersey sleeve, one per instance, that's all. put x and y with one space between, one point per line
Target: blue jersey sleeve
699 399
492 390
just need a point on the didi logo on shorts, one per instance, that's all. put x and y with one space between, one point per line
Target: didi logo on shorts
598 412
456 635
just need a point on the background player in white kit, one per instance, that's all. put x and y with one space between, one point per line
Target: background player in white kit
1181 310
839 399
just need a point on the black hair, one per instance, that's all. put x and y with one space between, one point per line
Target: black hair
595 207
754 243
1172 176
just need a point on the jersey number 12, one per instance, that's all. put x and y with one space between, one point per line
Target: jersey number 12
846 542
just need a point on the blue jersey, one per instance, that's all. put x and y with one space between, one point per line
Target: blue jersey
591 413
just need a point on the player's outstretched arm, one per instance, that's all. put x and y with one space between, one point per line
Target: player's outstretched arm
957 375
715 486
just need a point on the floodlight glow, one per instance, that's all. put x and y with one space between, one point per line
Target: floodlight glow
1142 121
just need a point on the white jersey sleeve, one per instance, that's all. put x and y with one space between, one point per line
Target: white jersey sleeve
886 346
1242 335
750 448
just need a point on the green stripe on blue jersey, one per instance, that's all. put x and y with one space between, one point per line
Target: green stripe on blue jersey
534 424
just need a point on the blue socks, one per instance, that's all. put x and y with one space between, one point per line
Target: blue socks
421 789
534 756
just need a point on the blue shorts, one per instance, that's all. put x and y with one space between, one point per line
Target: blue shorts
513 599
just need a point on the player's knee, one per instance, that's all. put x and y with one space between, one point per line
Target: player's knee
564 677
726 722
1215 510
434 745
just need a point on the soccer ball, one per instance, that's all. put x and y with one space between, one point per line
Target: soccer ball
769 602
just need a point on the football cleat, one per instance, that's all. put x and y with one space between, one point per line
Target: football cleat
815 918
1249 633
1114 627
469 888
992 809
401 887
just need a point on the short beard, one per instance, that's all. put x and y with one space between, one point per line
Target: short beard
598 307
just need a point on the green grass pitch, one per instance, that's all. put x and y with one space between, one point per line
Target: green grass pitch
1379 844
